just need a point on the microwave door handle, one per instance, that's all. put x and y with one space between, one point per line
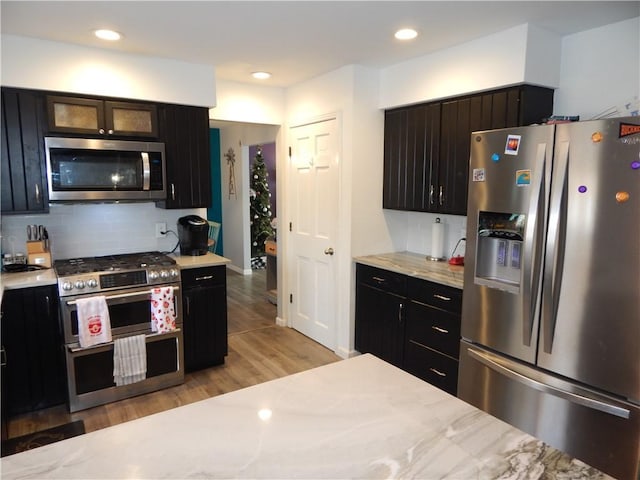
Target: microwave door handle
146 172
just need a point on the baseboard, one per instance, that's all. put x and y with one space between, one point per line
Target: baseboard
346 353
239 270
281 322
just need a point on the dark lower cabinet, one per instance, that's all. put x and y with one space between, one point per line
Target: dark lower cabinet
204 300
411 323
34 374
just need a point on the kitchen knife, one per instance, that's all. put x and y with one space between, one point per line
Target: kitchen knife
29 237
40 232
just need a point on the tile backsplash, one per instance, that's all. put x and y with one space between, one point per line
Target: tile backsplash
82 230
419 232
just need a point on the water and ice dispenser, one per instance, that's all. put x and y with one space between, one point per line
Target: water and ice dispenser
499 250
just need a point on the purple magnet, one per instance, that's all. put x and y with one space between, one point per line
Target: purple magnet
582 189
495 157
635 165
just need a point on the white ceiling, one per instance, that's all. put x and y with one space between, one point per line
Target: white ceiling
295 40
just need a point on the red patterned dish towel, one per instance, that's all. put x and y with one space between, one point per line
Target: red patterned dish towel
163 313
94 324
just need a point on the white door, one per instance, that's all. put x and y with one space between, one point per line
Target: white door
314 218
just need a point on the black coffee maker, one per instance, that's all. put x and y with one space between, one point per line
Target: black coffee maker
193 233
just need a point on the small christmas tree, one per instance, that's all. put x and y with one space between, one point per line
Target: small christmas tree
260 209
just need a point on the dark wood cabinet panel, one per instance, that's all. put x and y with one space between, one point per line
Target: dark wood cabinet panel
427 146
94 116
380 303
204 301
409 322
23 177
32 341
185 132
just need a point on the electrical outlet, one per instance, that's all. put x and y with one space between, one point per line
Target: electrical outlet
161 229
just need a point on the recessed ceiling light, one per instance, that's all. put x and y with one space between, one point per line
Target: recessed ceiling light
110 35
261 75
406 34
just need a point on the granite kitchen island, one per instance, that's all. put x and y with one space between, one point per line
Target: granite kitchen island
357 418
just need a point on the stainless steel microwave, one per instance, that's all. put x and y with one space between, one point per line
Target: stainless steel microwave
94 170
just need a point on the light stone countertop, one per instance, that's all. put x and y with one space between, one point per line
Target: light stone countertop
37 278
356 418
416 265
197 261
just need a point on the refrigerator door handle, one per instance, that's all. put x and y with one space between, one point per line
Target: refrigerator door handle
533 246
556 244
583 400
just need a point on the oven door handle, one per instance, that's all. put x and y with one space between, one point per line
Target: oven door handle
107 344
123 295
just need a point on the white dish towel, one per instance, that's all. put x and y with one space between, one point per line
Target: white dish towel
163 314
94 324
129 360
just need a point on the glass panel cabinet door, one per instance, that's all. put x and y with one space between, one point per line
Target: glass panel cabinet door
75 115
123 118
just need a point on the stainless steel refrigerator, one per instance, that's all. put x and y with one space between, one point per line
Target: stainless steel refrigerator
551 302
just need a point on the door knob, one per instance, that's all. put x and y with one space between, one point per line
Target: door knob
328 251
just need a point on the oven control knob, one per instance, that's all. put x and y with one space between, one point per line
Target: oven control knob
79 284
67 286
153 275
164 274
92 283
174 272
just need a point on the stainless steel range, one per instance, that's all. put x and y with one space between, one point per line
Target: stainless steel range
127 282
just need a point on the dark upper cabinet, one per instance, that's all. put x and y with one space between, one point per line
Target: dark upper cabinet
24 186
426 146
95 116
185 132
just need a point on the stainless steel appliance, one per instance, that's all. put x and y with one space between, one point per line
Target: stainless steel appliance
82 169
126 281
551 305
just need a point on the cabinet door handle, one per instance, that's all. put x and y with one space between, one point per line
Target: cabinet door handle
438 372
48 303
442 297
173 192
430 194
206 277
441 194
37 193
188 304
439 329
3 356
400 310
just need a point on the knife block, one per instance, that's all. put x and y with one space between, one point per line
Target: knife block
37 254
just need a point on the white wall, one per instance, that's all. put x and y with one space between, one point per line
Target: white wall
45 65
241 102
99 229
235 208
494 61
600 68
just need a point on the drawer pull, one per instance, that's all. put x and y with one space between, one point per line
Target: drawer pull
438 372
439 329
442 297
206 277
379 279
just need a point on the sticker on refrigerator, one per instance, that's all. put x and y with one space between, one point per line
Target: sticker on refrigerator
523 178
478 175
513 145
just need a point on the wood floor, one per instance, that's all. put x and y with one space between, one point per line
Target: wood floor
258 351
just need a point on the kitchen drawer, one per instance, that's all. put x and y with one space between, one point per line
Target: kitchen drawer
435 294
204 276
433 328
391 282
433 367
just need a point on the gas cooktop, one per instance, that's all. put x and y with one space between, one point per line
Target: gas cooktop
91 275
112 263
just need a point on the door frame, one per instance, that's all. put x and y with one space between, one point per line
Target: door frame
343 233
